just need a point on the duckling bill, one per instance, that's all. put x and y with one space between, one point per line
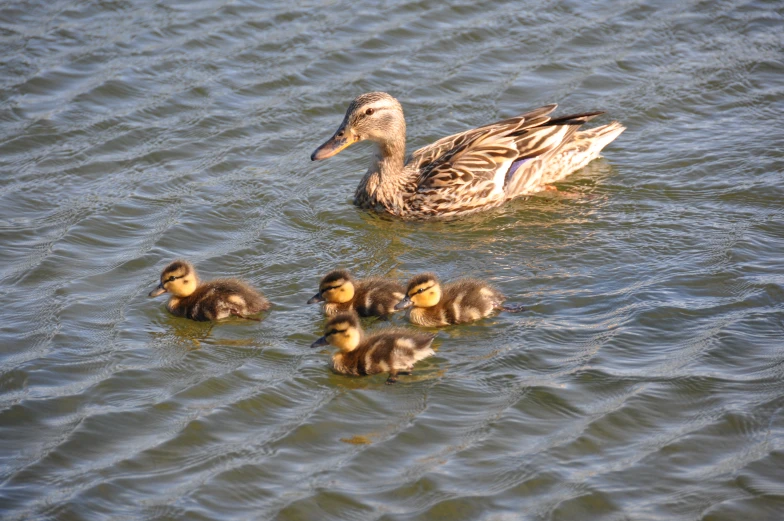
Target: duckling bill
370 297
459 302
212 300
393 351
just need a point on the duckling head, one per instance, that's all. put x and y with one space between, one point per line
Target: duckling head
375 116
178 278
424 291
342 331
336 287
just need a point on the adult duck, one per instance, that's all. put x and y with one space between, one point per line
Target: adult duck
475 170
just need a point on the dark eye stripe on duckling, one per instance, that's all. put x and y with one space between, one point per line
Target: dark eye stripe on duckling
420 290
330 288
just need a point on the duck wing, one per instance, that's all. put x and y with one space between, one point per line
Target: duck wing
448 146
473 168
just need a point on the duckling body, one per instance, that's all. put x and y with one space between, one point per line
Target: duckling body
392 350
370 297
212 300
464 173
459 302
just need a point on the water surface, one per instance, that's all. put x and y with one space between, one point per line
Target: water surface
644 382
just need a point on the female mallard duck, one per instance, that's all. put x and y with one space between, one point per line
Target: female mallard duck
474 170
212 300
371 297
458 302
393 351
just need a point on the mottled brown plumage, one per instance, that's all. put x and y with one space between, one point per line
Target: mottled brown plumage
391 350
212 300
458 302
460 174
370 297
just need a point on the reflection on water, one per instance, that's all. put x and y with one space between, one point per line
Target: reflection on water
643 382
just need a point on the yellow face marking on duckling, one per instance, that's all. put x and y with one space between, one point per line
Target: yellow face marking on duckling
339 291
182 286
178 279
344 336
425 295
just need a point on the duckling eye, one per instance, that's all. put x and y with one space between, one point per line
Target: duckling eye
369 112
171 278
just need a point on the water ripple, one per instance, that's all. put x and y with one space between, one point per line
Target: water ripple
643 382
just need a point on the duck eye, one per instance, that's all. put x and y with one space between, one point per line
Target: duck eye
369 112
172 278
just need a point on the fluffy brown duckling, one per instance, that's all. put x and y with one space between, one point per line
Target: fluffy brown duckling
371 297
458 302
212 300
392 350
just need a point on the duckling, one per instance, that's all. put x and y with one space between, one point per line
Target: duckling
392 350
371 297
458 302
212 300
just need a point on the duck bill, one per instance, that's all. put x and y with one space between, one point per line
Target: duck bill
403 304
342 139
320 342
160 290
316 298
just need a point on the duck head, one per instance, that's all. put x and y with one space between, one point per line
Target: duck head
374 116
423 291
336 287
178 278
342 331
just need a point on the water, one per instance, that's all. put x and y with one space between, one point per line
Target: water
644 382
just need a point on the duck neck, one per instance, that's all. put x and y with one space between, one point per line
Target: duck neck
389 164
384 182
390 158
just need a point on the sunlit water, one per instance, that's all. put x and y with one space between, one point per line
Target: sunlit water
644 382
